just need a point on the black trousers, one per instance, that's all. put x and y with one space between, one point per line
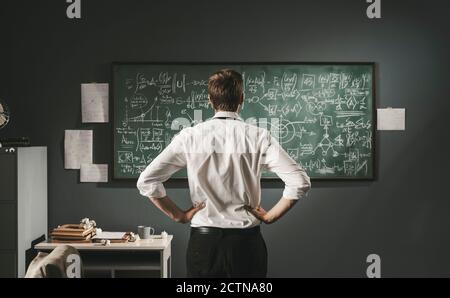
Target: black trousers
216 252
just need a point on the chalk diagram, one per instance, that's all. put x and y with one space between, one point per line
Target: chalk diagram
325 123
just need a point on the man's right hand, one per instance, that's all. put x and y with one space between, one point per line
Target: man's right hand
189 214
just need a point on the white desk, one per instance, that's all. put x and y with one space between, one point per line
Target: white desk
133 259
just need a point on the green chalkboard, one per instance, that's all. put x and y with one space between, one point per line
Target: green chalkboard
322 113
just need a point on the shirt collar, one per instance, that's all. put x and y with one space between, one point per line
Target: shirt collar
227 114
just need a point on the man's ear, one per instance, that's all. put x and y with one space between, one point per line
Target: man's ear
210 103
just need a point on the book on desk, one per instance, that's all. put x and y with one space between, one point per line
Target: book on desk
81 233
72 233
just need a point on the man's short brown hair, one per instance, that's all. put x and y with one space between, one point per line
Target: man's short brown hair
225 88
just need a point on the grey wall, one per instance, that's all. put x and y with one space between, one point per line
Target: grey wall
402 216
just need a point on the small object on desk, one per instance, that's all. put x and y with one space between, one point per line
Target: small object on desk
88 223
110 235
114 237
164 235
145 232
132 237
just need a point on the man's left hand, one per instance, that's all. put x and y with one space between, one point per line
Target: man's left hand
259 213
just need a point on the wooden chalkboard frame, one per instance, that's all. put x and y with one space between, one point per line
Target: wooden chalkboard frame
373 65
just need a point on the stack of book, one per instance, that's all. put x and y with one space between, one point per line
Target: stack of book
73 233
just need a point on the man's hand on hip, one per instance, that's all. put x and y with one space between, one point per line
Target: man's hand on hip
259 213
273 214
189 214
169 208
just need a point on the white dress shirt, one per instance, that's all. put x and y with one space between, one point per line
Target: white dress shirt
224 160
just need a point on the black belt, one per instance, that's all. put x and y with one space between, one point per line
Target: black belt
223 231
224 118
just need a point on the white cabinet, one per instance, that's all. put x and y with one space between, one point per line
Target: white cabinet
23 205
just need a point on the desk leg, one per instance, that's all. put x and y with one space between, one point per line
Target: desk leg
166 263
169 267
162 265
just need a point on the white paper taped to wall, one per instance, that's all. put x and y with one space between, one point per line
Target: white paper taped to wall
77 148
391 119
94 103
94 173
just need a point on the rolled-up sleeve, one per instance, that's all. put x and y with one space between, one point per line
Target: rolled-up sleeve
169 161
277 160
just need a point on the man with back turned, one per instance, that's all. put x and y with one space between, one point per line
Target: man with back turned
225 157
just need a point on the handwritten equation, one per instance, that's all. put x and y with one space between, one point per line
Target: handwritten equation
322 114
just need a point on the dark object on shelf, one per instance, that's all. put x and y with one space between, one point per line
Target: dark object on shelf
15 142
